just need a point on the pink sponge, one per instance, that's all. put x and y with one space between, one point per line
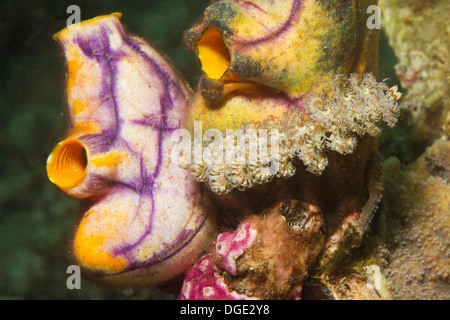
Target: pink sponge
267 257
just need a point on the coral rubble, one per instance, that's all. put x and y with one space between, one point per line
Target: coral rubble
417 225
262 258
417 33
413 227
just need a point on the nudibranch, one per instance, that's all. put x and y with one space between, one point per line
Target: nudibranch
328 121
150 219
302 68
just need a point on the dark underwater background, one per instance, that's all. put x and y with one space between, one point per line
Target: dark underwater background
36 218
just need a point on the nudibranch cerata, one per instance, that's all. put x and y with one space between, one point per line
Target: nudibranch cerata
304 68
150 219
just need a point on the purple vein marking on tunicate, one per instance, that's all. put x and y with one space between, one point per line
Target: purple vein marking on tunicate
141 190
165 103
97 47
249 4
183 239
283 99
156 123
297 103
135 184
94 181
294 15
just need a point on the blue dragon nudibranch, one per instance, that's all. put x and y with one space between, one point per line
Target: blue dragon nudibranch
150 219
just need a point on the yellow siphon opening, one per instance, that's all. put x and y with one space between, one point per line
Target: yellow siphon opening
66 165
213 54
